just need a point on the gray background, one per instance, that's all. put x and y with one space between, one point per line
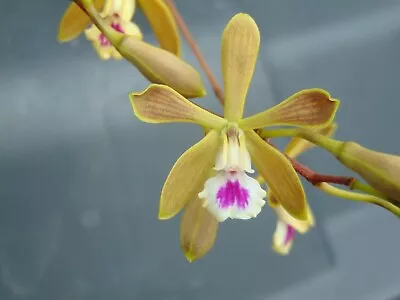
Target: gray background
80 176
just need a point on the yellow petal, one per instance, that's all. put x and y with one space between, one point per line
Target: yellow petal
132 29
162 23
198 230
299 226
161 104
74 21
297 145
124 8
240 43
187 176
308 108
279 175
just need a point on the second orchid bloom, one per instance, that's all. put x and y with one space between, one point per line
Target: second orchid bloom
211 180
118 14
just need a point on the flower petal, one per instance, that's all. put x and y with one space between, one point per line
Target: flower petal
282 239
125 8
74 21
279 175
233 195
240 44
307 108
188 175
161 104
132 29
297 145
198 230
299 226
163 24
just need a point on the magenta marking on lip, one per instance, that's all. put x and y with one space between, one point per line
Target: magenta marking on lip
289 234
117 27
233 194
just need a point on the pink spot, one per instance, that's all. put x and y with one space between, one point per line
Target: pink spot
289 234
233 194
117 27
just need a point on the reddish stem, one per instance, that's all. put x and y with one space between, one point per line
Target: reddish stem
315 178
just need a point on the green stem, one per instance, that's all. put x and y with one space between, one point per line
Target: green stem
358 185
334 191
329 144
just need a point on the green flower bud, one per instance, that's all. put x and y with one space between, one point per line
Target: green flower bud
380 170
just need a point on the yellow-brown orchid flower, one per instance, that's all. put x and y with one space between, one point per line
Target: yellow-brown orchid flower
286 225
210 178
118 14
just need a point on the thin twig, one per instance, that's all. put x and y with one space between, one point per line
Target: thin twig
196 51
315 178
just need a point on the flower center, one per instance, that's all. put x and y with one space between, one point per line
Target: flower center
233 155
104 42
231 193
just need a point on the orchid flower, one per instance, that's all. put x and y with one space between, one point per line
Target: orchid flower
211 179
287 226
118 14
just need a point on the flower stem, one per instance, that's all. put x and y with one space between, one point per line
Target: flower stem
334 191
327 143
315 178
196 51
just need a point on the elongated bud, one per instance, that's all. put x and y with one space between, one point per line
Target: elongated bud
161 66
156 64
380 170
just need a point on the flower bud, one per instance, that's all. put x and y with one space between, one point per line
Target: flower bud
161 66
380 170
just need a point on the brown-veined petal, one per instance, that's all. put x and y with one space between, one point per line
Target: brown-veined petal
297 145
198 230
279 175
161 104
75 20
162 23
240 44
312 108
299 226
187 176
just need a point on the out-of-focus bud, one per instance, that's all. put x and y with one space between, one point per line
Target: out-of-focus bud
156 64
380 170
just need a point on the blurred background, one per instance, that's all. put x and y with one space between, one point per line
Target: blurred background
80 176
